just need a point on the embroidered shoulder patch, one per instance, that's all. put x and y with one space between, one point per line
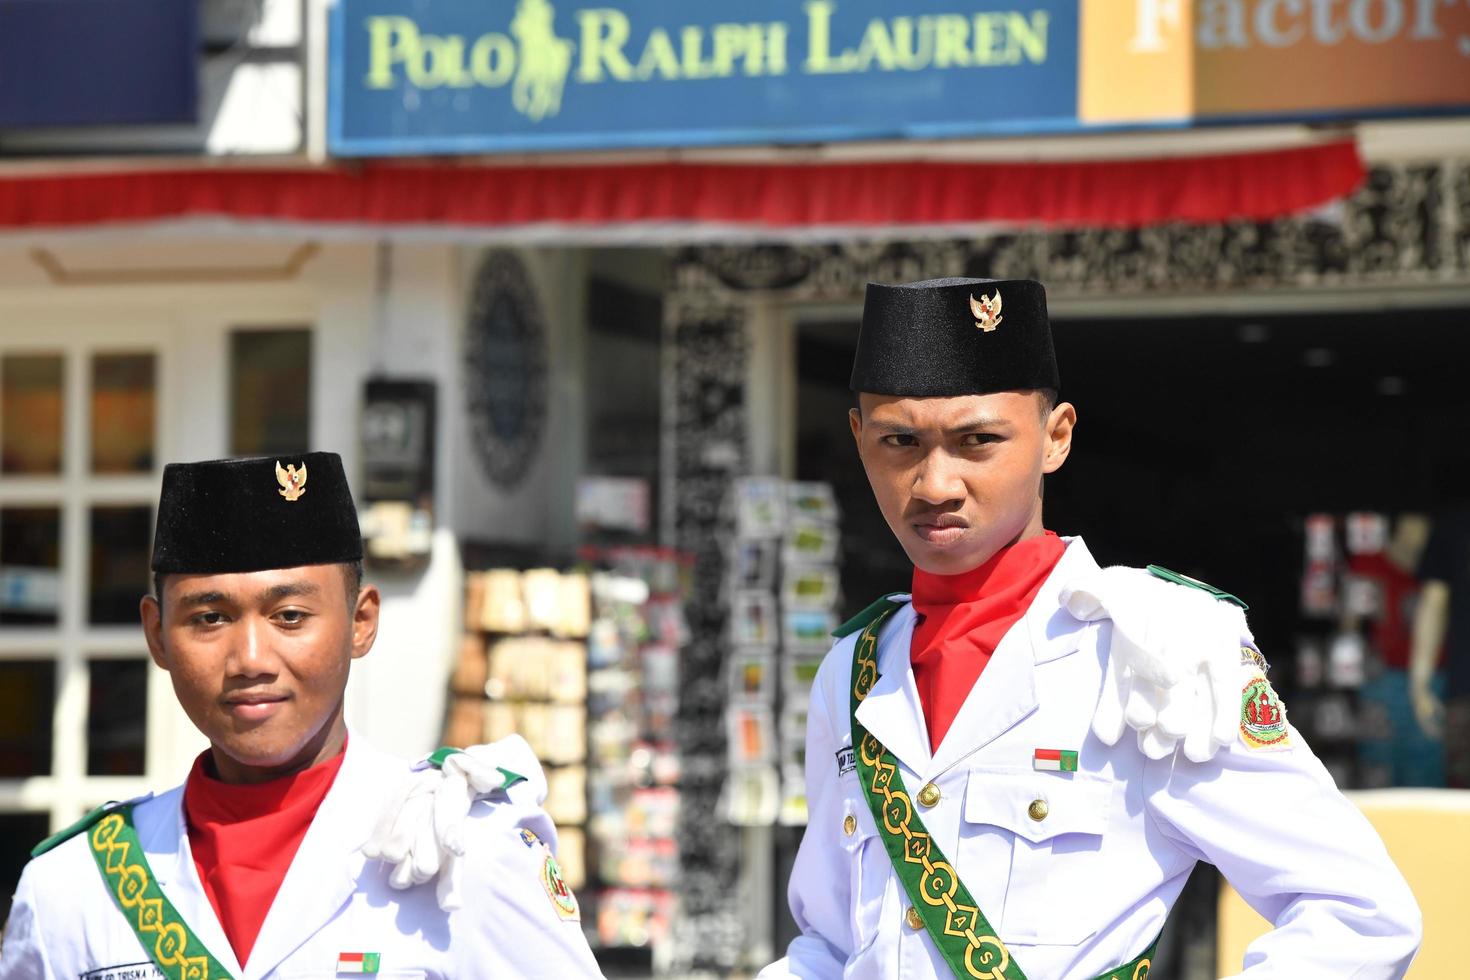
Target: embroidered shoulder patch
529 838
561 896
1262 716
1251 657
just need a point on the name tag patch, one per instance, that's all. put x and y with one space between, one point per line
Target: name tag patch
126 971
846 761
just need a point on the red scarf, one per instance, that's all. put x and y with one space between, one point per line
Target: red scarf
962 619
244 838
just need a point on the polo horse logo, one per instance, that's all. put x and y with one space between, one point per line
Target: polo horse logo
543 63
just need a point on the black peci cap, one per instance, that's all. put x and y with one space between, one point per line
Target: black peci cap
247 515
947 337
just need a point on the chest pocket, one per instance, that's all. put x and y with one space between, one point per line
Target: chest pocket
1052 825
869 870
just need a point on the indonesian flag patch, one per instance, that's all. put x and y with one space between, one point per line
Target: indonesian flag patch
358 962
1262 716
1055 760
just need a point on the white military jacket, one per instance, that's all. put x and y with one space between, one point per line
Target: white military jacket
1086 887
65 923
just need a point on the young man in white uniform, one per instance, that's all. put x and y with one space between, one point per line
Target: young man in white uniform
255 866
1022 842
1032 843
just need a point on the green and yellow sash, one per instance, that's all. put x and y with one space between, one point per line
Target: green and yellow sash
964 937
165 936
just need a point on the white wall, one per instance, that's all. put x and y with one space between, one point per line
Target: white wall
537 512
396 696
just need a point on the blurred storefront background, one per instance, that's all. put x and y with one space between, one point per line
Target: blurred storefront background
575 293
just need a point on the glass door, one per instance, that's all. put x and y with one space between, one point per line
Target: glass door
81 434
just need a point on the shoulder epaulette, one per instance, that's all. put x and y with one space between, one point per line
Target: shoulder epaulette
1159 571
871 613
436 760
81 826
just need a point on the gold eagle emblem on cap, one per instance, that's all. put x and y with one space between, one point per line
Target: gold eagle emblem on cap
986 310
292 480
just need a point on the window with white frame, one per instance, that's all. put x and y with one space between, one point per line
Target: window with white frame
84 715
79 468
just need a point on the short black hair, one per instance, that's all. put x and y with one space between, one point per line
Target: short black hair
351 578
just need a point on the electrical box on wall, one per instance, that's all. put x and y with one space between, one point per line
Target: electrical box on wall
398 472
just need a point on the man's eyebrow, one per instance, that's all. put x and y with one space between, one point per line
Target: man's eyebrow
288 590
202 598
979 423
891 428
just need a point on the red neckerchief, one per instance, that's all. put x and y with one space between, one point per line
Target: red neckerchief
244 838
962 618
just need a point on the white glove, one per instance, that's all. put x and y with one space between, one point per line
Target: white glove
420 831
398 838
1173 669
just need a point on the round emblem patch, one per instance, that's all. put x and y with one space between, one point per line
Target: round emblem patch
1262 716
561 896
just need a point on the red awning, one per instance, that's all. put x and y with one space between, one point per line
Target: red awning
1120 193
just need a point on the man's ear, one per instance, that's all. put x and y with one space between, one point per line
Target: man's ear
365 620
151 613
1059 427
855 422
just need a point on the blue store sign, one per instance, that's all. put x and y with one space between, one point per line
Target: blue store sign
474 76
98 62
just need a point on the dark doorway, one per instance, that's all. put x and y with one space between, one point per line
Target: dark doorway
1202 442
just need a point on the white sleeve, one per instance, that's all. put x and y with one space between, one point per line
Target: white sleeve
1299 853
518 918
22 950
820 878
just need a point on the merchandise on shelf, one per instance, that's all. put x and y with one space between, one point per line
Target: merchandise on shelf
1351 700
522 669
585 667
785 590
633 801
634 916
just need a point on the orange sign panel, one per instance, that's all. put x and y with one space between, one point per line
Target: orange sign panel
1157 60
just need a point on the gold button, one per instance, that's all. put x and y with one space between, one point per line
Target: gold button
1038 809
915 923
849 825
929 795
